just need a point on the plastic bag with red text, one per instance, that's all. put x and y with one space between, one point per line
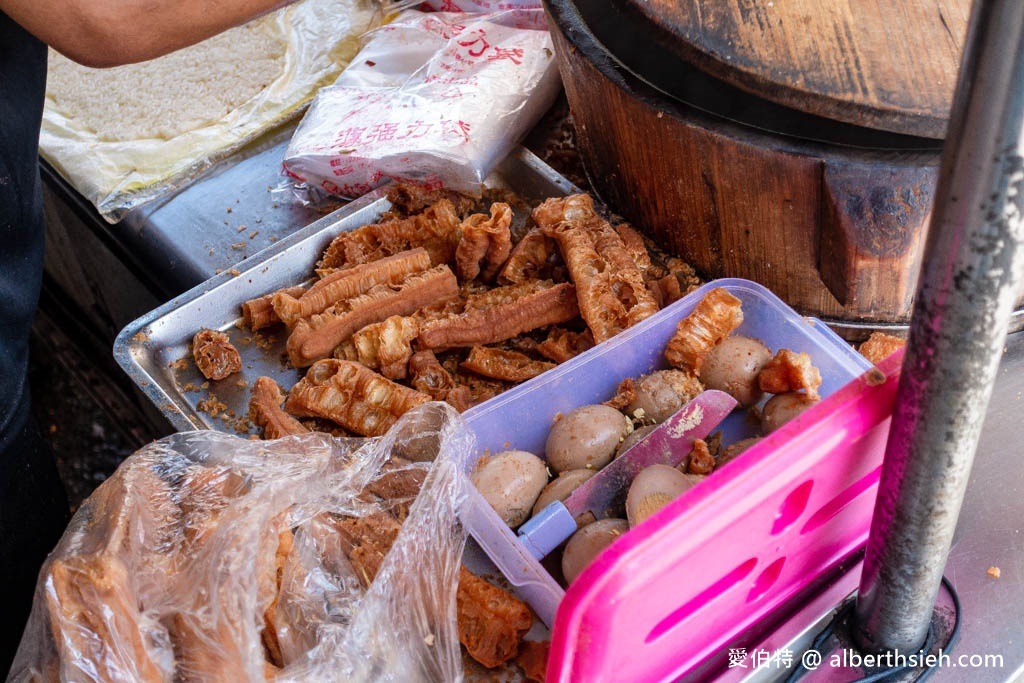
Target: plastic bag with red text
479 5
215 558
432 99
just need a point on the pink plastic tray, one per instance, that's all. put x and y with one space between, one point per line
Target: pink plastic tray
676 590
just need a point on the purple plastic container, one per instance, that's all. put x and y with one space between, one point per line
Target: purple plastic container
673 591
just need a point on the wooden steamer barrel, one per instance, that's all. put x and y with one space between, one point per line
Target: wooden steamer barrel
795 143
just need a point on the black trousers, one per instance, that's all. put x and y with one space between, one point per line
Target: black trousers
33 504
33 515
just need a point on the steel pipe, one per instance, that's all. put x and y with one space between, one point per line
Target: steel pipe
971 272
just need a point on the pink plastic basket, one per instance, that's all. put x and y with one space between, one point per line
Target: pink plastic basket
670 594
667 597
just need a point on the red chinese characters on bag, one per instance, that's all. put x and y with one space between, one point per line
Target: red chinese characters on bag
433 99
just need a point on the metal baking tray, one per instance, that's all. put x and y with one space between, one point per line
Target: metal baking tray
154 349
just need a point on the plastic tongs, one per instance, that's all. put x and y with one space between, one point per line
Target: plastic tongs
603 493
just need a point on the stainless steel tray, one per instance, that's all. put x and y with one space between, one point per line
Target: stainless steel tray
151 348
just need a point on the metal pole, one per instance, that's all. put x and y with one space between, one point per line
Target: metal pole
972 267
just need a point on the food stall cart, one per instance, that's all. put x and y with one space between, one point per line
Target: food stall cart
169 248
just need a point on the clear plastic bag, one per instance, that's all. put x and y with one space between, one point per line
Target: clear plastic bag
208 557
478 5
432 99
319 39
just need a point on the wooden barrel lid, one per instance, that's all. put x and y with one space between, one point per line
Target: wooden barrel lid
889 65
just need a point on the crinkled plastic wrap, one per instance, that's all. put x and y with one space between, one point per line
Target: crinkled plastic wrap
321 36
432 99
479 5
208 556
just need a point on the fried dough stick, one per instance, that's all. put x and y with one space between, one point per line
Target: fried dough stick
347 283
789 371
259 312
215 357
666 290
633 242
352 395
265 411
475 297
562 344
207 622
271 642
436 230
429 376
533 659
366 541
611 289
204 493
387 345
502 321
410 199
624 394
492 622
207 634
700 460
488 298
533 257
399 479
717 314
93 597
673 282
95 618
510 366
472 389
203 655
880 346
314 338
461 398
485 244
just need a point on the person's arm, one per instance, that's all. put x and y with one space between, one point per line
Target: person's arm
103 33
